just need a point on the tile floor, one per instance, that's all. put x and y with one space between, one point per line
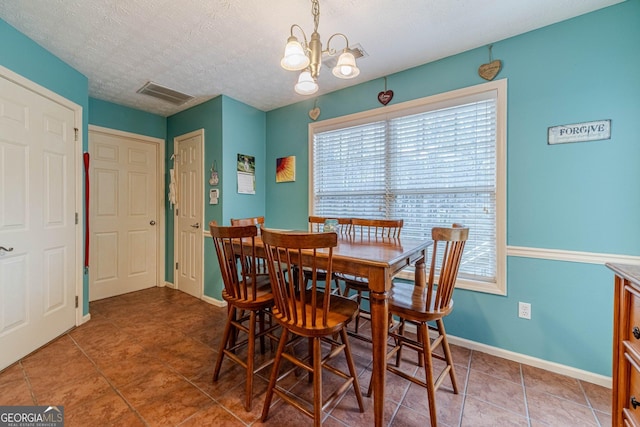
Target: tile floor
146 359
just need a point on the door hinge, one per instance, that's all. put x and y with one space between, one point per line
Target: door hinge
176 265
76 218
76 301
76 134
176 211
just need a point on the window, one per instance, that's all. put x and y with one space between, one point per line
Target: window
433 162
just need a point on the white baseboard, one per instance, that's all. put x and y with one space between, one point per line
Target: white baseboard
170 285
569 371
214 301
557 368
85 319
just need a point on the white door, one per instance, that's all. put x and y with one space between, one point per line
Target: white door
124 213
190 207
40 261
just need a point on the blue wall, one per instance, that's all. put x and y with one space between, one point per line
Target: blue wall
575 197
243 133
114 116
230 127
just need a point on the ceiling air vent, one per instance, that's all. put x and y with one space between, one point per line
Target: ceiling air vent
331 61
164 93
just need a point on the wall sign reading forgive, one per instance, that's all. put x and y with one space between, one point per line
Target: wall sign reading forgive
579 132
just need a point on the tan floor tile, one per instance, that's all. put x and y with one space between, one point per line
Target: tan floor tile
14 389
176 406
106 410
549 382
548 409
75 394
599 397
124 371
478 414
347 411
406 417
448 405
604 419
213 416
152 387
502 393
495 366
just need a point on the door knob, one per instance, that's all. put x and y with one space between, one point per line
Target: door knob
2 248
152 222
196 225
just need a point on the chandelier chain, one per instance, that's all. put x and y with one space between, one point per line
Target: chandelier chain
315 10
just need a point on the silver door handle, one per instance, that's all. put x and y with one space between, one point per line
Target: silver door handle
196 225
2 248
152 222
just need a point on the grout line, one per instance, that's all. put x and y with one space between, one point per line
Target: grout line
28 381
524 392
466 385
586 396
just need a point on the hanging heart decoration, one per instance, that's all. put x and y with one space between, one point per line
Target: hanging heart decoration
385 96
314 113
490 70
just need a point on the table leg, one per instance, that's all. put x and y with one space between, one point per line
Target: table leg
379 334
420 273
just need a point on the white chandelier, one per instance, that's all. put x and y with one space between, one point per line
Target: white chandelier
307 56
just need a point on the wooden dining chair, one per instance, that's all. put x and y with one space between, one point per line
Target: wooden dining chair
316 225
258 222
308 314
249 298
366 229
416 304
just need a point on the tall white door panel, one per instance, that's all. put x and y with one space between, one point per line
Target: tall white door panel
124 206
189 242
39 259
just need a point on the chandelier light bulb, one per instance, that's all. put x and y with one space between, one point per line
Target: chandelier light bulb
346 67
294 58
306 84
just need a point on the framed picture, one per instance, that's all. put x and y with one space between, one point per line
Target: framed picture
246 174
286 169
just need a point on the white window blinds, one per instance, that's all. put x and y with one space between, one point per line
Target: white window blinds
431 168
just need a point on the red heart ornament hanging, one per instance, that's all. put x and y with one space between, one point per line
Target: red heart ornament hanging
385 97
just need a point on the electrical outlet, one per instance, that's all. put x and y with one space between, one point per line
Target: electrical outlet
524 310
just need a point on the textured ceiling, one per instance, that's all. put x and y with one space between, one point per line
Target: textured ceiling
233 47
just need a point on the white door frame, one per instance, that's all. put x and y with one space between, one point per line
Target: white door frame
160 209
79 196
204 227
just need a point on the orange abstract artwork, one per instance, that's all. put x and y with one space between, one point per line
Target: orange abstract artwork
286 169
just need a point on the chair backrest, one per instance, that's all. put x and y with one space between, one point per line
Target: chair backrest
256 221
237 276
448 245
376 228
316 224
286 252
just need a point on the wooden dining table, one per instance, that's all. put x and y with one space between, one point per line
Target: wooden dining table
379 260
